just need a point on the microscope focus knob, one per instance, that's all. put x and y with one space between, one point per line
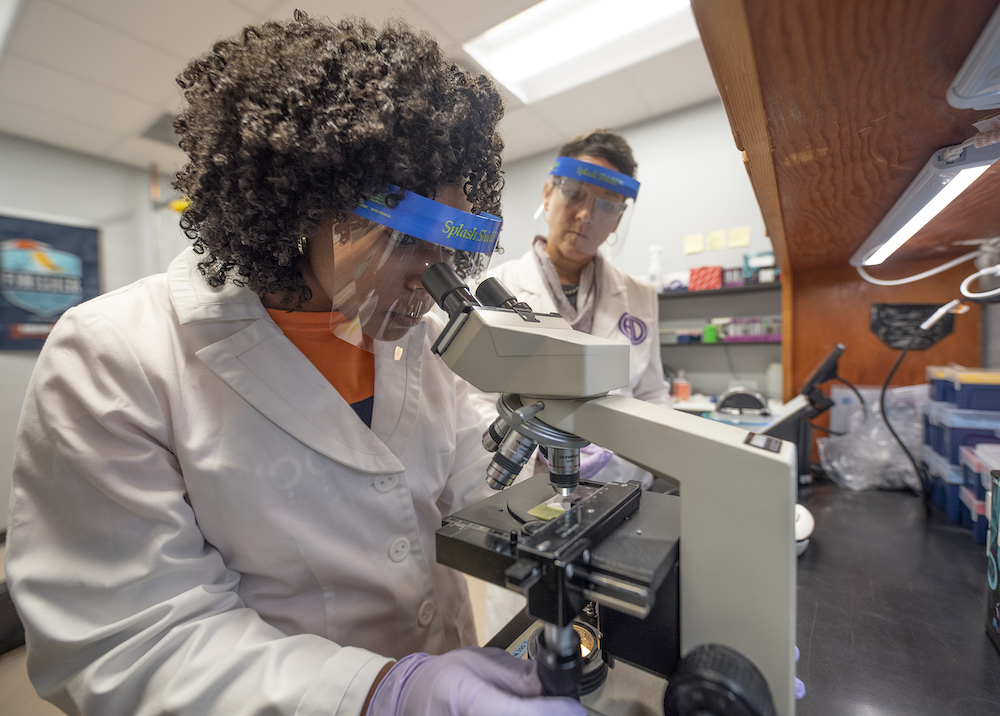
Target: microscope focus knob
714 680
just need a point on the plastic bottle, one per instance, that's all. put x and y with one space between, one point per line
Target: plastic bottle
681 388
773 380
654 274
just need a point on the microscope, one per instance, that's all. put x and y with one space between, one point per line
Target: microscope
695 591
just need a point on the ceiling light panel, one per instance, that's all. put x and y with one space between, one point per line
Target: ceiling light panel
8 12
560 44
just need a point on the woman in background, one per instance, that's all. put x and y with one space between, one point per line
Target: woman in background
564 272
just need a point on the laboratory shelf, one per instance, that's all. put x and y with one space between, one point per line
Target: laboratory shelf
721 343
750 288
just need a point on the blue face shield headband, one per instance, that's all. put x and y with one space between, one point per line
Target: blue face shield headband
426 219
597 175
381 253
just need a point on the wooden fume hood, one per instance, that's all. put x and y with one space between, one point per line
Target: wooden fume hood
836 107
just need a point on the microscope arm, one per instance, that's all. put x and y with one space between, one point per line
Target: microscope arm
737 541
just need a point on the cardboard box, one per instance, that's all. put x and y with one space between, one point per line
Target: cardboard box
705 278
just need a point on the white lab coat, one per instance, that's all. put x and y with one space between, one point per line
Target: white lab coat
200 524
628 312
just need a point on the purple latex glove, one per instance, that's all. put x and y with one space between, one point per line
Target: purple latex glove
466 682
592 459
800 688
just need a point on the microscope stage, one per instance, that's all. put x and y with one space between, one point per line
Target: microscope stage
482 539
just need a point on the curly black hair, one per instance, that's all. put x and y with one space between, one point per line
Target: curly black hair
606 144
288 121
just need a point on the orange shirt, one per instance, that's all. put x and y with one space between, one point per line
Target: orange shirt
351 370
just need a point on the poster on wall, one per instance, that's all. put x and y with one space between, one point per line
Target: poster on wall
45 268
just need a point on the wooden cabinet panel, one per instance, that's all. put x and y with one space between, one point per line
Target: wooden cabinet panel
833 305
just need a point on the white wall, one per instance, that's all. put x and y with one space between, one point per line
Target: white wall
41 182
693 181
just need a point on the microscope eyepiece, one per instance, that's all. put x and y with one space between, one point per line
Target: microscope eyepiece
447 289
491 292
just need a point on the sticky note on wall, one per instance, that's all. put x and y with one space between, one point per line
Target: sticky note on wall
694 243
715 240
739 236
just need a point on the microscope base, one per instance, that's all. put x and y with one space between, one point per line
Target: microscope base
627 691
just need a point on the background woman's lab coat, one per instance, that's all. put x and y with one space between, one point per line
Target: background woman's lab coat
200 524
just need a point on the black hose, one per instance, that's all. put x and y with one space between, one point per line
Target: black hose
861 401
826 430
923 479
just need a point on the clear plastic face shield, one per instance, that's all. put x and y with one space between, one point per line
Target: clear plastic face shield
382 251
586 207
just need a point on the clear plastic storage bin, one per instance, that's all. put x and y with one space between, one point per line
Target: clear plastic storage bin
953 427
942 387
977 389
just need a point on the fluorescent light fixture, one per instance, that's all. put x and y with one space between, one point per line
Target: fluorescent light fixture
937 185
977 84
8 12
560 44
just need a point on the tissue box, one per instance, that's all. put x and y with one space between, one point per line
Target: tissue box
760 267
676 281
705 278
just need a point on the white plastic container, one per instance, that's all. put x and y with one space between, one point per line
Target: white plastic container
989 456
654 274
774 381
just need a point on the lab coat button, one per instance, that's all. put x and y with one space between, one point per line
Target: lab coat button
384 483
426 613
399 549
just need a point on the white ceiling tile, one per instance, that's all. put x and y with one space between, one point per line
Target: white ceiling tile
141 152
375 11
465 61
56 131
64 40
259 7
525 133
110 61
610 103
171 101
332 9
182 28
465 19
72 98
675 79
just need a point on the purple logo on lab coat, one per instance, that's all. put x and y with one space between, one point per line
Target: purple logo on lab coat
633 328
